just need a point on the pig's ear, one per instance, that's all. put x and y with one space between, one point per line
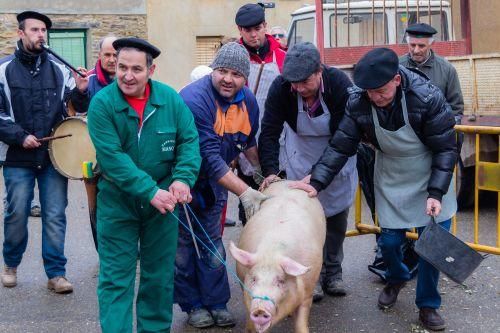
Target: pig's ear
291 267
245 258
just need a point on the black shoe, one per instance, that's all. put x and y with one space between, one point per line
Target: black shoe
35 211
431 319
335 287
229 223
389 295
222 318
200 318
318 293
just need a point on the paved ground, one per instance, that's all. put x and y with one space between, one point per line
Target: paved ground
30 307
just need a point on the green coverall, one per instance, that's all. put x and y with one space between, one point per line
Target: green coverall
136 161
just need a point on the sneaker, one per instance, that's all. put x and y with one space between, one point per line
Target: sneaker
431 319
389 295
60 285
9 277
318 293
200 318
36 211
335 287
223 318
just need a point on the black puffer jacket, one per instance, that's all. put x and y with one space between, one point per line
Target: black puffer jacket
430 117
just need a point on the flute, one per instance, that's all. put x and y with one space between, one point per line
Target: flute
48 49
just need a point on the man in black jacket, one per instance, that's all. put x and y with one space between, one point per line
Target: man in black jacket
411 126
310 98
33 91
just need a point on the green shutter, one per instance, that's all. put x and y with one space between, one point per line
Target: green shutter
70 45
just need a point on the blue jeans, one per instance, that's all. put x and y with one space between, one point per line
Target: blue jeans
201 282
427 294
53 189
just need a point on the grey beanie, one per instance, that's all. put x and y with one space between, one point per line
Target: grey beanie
301 61
233 56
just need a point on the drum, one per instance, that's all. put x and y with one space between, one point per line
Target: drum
68 154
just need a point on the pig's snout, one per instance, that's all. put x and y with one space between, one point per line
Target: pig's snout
262 319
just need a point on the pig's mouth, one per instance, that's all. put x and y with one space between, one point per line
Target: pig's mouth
262 320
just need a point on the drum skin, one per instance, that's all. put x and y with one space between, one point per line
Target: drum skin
67 154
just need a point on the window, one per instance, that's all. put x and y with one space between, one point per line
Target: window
360 28
438 22
206 48
302 31
71 45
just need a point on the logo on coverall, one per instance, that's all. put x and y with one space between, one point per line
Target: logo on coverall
168 146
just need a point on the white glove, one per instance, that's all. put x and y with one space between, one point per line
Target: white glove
251 200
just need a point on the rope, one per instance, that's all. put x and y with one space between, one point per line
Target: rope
219 256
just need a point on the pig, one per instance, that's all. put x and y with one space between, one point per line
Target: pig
279 258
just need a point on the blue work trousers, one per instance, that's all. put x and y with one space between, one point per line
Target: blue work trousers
390 242
53 190
201 282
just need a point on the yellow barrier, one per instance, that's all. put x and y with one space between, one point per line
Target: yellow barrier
487 179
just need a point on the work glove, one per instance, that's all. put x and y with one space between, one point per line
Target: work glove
251 200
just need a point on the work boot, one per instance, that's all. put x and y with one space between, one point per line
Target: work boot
229 223
318 292
431 319
335 287
60 285
200 318
222 318
9 277
389 295
35 211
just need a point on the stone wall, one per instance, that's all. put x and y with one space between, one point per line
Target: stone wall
97 26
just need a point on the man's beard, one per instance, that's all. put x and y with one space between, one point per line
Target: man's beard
32 48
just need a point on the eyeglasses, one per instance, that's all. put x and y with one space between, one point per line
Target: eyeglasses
278 35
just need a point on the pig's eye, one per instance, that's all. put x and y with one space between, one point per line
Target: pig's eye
253 280
280 282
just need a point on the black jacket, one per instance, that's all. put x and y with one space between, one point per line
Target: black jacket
430 117
281 106
33 92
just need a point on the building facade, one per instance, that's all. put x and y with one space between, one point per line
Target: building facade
78 26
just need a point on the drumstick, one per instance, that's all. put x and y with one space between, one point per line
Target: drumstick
49 138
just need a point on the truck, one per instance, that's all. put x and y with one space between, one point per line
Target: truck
351 28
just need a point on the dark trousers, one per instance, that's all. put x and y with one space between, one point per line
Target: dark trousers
333 251
427 294
201 282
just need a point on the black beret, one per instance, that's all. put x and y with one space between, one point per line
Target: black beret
301 61
421 30
137 43
376 68
250 15
34 15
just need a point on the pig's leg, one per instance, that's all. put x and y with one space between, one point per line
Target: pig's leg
250 328
302 316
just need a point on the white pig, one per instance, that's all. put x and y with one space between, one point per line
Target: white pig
279 257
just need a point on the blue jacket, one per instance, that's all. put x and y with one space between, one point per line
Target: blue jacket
225 128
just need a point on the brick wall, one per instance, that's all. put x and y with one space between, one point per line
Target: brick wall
97 26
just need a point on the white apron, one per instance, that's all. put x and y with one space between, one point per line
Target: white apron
402 172
305 147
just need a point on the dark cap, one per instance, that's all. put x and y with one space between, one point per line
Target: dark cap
421 30
301 61
34 15
137 43
376 68
250 15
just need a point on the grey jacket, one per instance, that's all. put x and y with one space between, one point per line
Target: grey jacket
443 75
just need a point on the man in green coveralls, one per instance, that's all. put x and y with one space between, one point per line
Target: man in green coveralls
147 148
